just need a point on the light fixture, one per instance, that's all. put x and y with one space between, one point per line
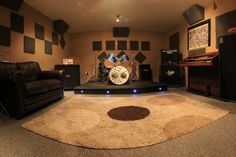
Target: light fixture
108 92
134 91
82 91
117 18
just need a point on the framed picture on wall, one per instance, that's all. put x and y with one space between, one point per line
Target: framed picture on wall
199 35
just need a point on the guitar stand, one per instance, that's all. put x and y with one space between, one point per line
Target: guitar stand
3 109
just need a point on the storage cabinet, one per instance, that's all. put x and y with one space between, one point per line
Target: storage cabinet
72 75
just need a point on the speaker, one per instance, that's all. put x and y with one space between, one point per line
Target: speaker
145 72
194 14
171 74
227 56
12 4
71 73
120 31
170 56
60 26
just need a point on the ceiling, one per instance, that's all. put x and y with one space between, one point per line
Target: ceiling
99 15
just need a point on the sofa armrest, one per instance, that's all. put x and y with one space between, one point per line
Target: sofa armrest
12 93
12 78
57 74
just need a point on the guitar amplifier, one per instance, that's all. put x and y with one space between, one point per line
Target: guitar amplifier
71 73
170 57
145 72
172 74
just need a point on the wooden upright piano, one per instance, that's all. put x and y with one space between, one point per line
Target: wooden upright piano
203 73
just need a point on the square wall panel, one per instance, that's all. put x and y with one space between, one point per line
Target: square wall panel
97 45
48 47
54 38
110 45
134 45
5 36
17 23
145 45
29 45
122 45
39 31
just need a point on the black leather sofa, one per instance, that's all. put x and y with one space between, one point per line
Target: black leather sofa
24 87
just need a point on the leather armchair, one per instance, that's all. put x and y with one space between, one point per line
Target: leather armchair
24 87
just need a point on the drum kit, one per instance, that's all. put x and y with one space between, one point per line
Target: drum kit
116 70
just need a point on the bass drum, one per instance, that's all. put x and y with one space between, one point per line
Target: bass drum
119 75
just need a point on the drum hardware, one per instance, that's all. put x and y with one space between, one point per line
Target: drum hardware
117 70
133 76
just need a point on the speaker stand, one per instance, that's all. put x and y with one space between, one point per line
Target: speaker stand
3 109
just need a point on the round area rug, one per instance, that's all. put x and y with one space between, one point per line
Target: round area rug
126 113
116 122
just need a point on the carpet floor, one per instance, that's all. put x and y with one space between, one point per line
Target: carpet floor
123 122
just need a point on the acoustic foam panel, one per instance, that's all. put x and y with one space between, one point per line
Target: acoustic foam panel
110 45
17 23
12 4
121 54
122 45
140 57
29 45
194 14
174 41
54 38
120 31
145 46
102 56
97 45
134 45
5 36
62 42
60 27
39 31
224 22
48 47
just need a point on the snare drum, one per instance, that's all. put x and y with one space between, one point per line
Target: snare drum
110 61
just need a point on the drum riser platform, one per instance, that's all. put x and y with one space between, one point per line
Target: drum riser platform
133 88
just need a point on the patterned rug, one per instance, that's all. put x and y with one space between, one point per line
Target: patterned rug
114 122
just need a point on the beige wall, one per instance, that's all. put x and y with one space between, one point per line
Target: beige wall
16 51
81 46
223 6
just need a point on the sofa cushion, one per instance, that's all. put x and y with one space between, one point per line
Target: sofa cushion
35 87
30 70
53 83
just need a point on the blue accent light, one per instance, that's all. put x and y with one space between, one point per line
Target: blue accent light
134 91
160 88
82 91
108 92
